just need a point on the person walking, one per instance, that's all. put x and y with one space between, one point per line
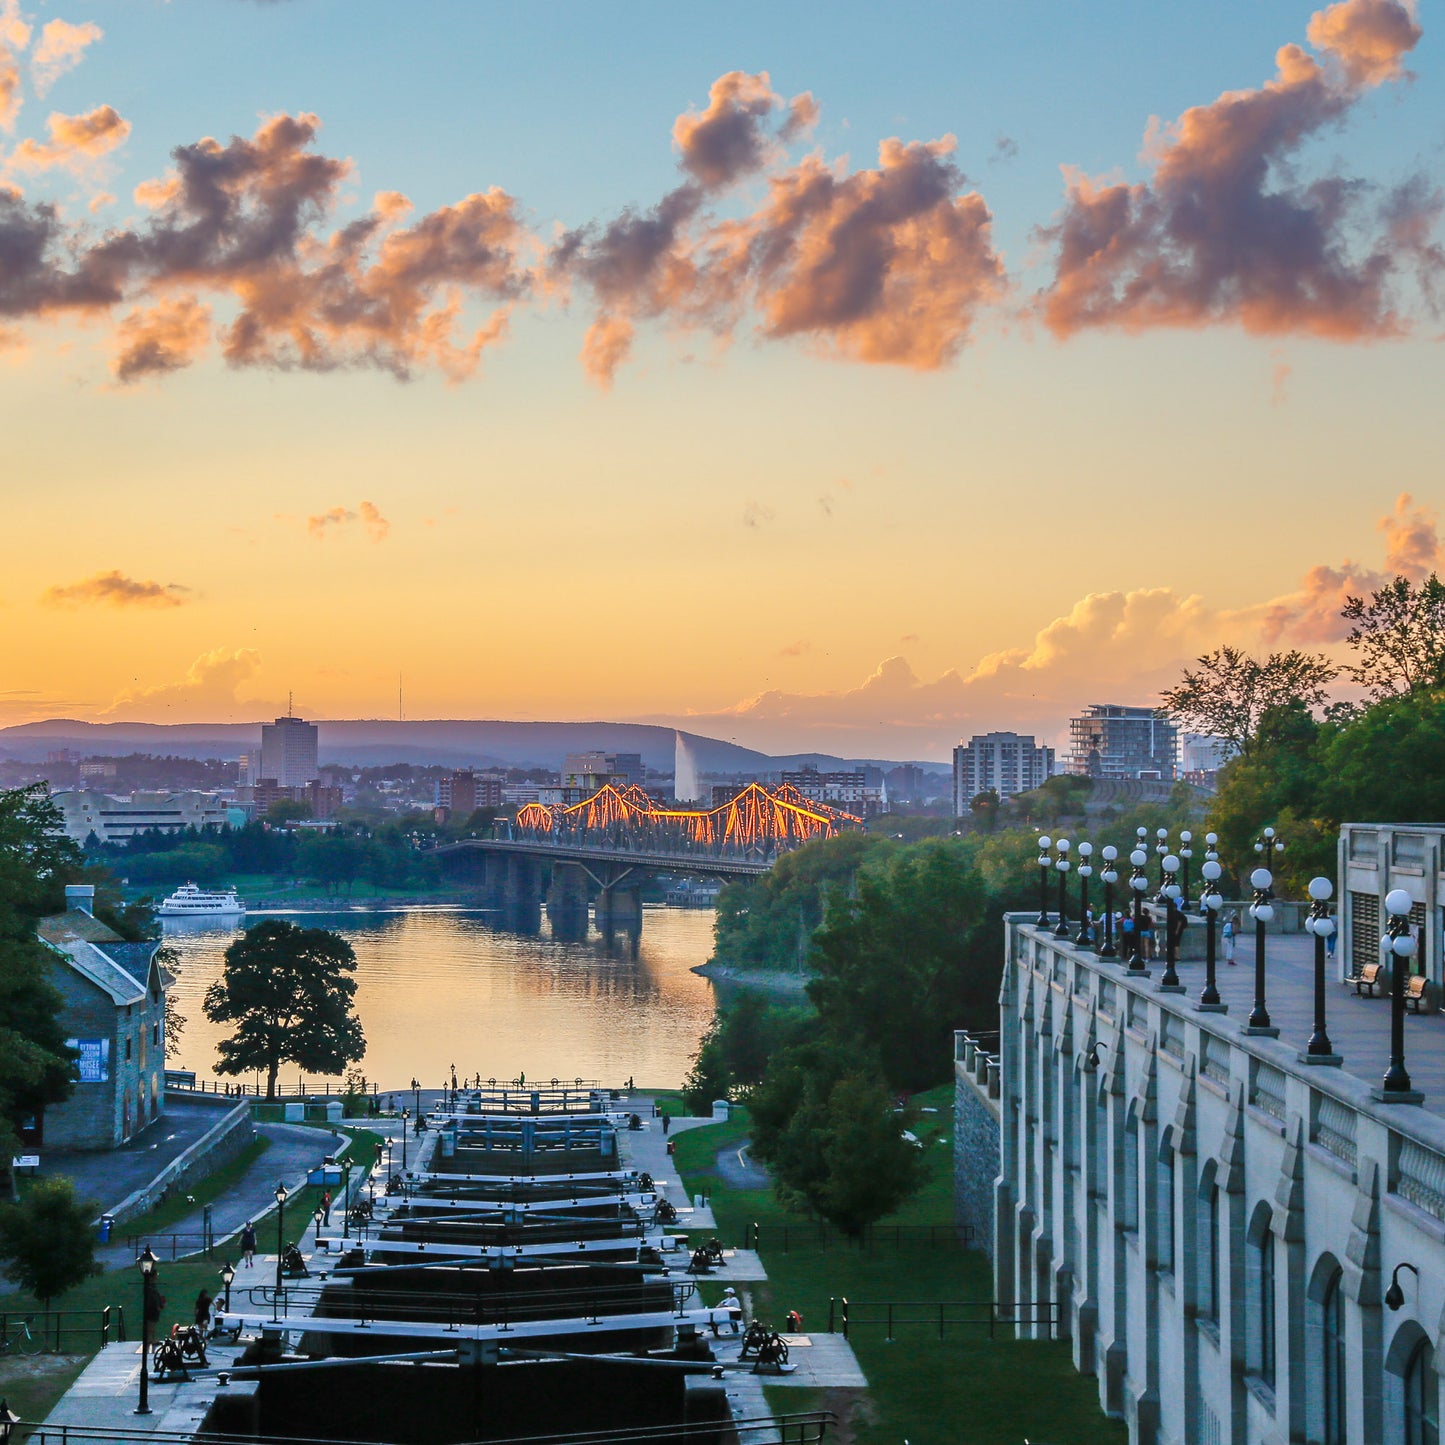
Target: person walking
666 1122
1228 936
248 1244
326 1209
203 1312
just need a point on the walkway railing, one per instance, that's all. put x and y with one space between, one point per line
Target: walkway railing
977 1315
876 1236
26 1332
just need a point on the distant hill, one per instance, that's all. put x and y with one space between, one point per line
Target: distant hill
368 743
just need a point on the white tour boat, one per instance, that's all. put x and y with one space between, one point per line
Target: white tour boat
193 902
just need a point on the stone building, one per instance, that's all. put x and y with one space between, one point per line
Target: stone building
1375 859
114 1015
1240 1244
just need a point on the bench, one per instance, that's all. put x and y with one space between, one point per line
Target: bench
1415 990
1367 977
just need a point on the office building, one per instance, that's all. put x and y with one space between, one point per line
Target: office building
1000 762
860 791
117 820
463 792
593 771
1112 741
288 752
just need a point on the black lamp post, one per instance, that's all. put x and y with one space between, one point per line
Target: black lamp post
1186 852
317 1219
1261 910
1086 870
1110 877
1212 902
1399 941
1319 1049
1170 893
416 1097
1161 847
1061 867
1045 864
280 1246
1138 881
346 1198
150 1312
404 1117
228 1273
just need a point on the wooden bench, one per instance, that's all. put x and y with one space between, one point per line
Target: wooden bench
1367 977
1415 990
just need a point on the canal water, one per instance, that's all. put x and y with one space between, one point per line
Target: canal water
438 986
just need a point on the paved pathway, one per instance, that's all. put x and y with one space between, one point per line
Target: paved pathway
646 1148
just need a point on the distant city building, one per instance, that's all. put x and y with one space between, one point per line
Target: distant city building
463 792
322 802
515 795
113 1013
594 771
1112 741
248 768
857 790
1000 762
101 770
116 820
908 783
288 752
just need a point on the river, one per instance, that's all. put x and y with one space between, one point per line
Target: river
438 986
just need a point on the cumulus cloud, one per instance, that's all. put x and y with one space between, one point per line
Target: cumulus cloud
1118 645
115 589
1226 232
336 519
59 50
888 264
14 37
75 140
159 339
208 689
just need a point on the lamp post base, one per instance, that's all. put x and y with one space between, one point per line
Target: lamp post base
1397 1096
1333 1060
1211 1008
1261 1031
1171 988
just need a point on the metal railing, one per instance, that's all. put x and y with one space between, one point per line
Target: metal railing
981 1316
61 1331
807 1233
172 1246
803 1427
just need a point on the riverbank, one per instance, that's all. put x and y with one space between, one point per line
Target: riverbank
794 985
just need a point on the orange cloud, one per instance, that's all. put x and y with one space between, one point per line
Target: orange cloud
160 339
14 36
59 50
336 518
729 139
74 140
1223 233
115 589
208 689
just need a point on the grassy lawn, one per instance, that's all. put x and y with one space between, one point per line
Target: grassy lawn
922 1389
169 1211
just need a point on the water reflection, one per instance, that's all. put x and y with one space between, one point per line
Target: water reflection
437 987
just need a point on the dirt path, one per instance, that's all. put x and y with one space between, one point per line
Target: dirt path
737 1168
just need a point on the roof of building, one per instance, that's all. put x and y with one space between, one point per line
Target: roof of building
98 953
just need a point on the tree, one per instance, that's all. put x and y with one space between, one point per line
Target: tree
984 807
1232 694
287 810
1398 636
47 1240
1388 765
289 990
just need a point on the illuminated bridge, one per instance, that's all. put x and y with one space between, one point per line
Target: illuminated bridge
611 842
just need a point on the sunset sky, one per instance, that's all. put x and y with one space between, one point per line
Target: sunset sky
843 377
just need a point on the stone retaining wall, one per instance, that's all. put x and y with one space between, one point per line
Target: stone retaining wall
975 1155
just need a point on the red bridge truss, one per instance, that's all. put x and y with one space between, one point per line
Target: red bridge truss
757 818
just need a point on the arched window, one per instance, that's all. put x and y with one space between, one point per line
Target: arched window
1333 1371
1207 1247
1422 1397
1266 1306
1130 1210
1260 1295
1164 1205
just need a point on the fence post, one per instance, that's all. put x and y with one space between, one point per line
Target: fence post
104 1326
845 1316
992 1314
890 1322
940 1321
120 1323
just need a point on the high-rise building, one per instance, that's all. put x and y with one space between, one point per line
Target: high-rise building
1111 741
861 791
591 771
999 762
288 752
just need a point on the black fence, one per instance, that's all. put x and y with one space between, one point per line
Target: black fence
61 1332
877 1236
979 1317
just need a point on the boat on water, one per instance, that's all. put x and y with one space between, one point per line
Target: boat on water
193 902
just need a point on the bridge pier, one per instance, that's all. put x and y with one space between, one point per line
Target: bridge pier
567 901
619 907
522 894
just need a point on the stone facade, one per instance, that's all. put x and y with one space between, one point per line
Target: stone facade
975 1138
1374 859
1213 1223
114 1014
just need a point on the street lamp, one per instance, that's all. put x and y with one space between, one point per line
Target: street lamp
1319 1049
280 1246
316 1219
228 1273
1399 942
1061 866
1110 876
150 1312
1212 902
1086 869
1045 843
405 1115
1170 892
346 1198
1186 853
1138 881
416 1096
1261 910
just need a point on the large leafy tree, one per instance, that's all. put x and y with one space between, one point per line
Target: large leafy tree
47 1240
1233 696
289 992
35 861
1388 764
1398 635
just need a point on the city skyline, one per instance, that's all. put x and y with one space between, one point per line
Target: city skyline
854 397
